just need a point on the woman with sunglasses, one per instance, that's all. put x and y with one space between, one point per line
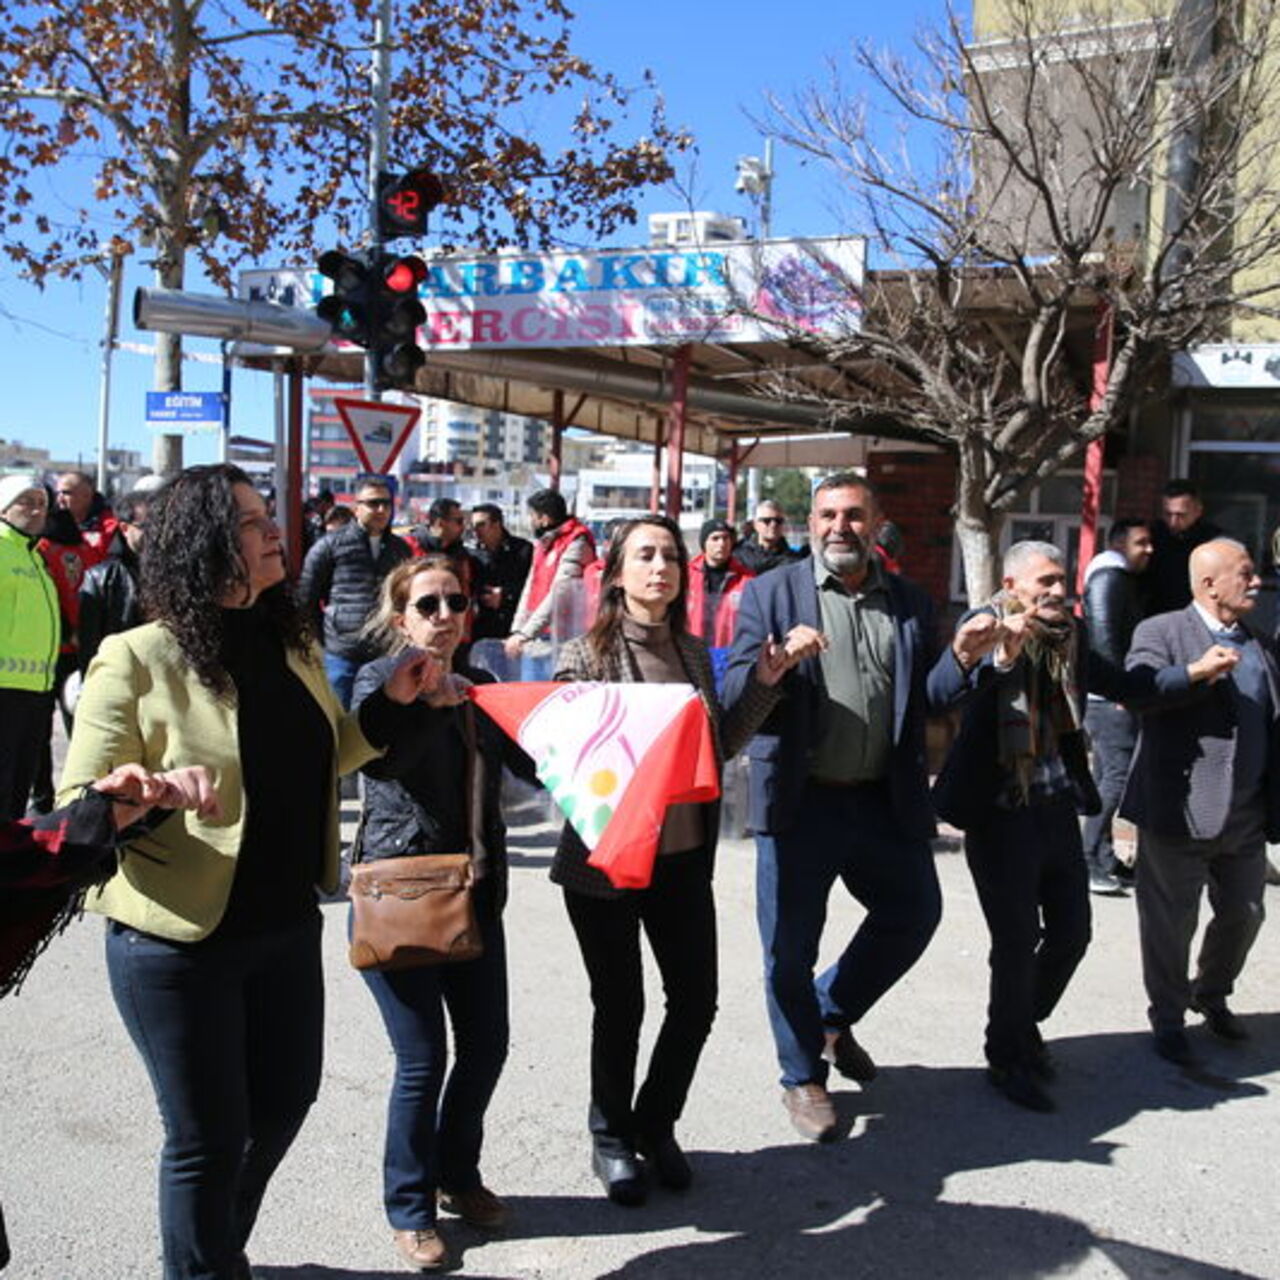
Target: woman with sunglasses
640 636
417 802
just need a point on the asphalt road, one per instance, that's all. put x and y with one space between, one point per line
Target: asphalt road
1144 1171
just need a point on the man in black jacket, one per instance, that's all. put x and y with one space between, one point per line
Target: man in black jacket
504 565
341 577
767 547
109 597
1113 607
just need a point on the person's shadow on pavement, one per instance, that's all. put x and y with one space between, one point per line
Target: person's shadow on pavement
870 1204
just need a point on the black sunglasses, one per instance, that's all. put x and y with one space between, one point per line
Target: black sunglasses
375 502
454 601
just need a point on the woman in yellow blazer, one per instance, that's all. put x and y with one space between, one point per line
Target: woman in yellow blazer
213 936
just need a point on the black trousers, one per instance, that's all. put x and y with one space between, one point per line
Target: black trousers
677 914
43 786
1029 869
24 717
1114 732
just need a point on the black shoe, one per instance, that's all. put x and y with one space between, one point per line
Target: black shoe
1021 1087
1222 1022
622 1177
668 1161
1173 1046
851 1060
1041 1064
1106 885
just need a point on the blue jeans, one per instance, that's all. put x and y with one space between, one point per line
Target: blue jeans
231 1034
433 1141
847 834
1114 731
342 675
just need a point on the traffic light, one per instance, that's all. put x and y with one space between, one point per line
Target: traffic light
395 315
348 309
404 200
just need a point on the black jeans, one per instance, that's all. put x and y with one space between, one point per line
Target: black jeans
1030 874
1114 731
24 716
43 787
230 1031
677 914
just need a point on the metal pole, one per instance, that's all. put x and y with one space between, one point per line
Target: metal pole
555 461
225 436
111 327
675 430
292 504
380 82
731 503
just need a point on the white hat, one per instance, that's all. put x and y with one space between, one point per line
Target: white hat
12 487
147 484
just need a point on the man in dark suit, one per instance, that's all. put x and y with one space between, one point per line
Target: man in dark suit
838 784
1204 790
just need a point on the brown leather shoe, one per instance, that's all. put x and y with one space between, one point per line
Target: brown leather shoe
811 1110
478 1207
422 1250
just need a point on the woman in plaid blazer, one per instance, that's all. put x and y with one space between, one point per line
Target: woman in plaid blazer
640 636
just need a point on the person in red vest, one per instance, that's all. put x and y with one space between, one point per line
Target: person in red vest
716 579
563 549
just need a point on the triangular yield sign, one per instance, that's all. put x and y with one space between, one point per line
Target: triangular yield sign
378 429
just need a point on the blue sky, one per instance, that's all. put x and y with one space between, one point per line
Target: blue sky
714 64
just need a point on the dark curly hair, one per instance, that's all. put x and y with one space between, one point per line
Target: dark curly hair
603 633
190 561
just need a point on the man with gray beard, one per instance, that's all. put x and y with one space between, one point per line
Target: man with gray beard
838 784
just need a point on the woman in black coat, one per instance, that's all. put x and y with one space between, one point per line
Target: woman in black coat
417 802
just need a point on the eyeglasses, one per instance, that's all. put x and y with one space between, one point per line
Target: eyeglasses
374 502
454 601
771 520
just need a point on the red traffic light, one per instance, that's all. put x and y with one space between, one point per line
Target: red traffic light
404 275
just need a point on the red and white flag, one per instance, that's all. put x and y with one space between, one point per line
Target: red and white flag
613 756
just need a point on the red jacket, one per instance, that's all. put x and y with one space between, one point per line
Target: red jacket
727 602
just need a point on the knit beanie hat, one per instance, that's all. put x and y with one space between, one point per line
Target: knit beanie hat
12 487
714 526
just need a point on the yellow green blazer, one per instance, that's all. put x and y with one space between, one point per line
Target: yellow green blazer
142 704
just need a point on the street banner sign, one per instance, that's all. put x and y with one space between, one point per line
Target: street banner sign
184 412
378 429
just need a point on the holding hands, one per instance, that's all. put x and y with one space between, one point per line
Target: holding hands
421 674
135 790
1216 661
776 659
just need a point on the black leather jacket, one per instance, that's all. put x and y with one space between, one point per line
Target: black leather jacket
399 820
1112 610
340 570
108 599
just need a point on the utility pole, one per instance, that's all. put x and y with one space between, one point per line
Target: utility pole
380 80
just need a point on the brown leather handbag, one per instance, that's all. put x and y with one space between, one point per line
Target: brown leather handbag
414 911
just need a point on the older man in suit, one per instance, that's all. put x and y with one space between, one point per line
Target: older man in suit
838 785
1204 790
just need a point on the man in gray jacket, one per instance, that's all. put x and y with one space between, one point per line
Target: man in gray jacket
1205 791
341 577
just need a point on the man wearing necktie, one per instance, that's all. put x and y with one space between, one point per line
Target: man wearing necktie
1205 791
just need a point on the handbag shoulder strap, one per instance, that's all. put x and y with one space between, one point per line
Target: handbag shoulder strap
473 805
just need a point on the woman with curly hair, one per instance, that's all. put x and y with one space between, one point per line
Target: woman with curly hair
640 636
213 932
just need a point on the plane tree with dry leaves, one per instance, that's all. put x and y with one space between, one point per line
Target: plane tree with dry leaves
1101 171
152 123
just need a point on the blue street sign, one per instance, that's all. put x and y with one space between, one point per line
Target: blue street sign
184 411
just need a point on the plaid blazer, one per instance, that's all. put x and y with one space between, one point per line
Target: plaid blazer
730 732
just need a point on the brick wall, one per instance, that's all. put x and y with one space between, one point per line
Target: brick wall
917 491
